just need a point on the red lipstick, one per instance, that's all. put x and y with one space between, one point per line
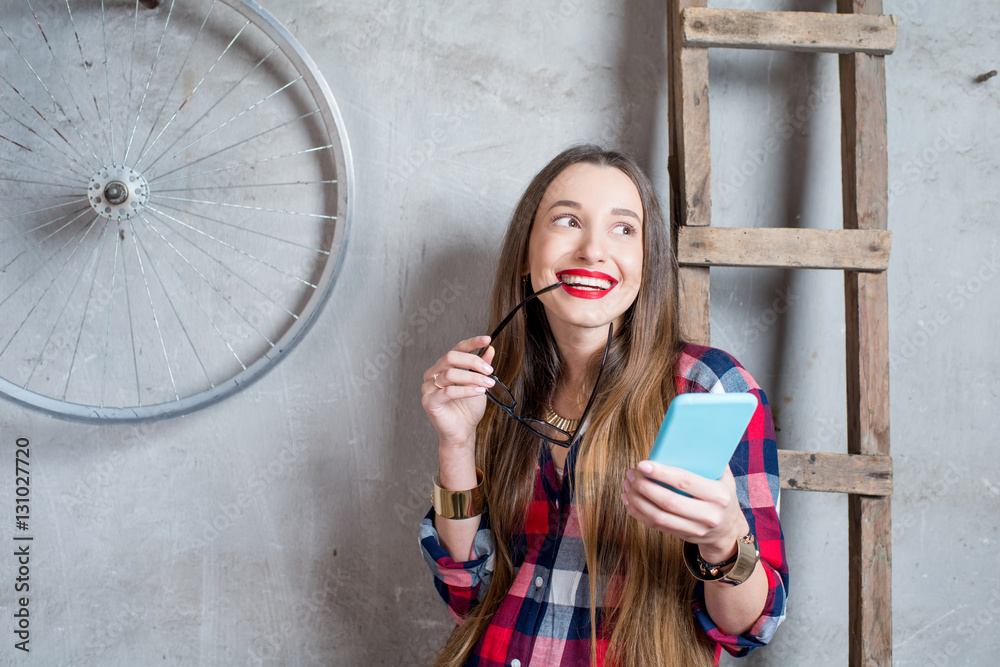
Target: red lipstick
586 293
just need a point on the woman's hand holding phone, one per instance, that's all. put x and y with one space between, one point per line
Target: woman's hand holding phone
686 488
709 516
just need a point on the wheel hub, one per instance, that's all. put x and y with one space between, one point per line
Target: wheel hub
117 192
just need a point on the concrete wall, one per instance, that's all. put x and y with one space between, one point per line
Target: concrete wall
143 554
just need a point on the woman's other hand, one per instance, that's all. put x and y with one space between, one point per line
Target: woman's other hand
454 392
710 518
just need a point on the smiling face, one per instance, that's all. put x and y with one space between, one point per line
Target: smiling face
587 232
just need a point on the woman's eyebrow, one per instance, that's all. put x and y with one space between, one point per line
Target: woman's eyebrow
625 211
567 202
577 205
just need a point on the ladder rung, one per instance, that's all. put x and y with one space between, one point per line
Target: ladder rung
789 31
837 473
847 249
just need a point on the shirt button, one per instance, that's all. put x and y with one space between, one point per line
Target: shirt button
515 663
538 583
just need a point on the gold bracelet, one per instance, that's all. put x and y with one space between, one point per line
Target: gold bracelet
459 504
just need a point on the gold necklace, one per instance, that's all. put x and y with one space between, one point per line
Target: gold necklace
561 423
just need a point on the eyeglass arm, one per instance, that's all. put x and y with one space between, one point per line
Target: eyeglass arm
511 314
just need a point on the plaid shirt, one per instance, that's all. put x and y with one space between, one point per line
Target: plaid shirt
545 618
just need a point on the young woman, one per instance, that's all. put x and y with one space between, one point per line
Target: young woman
549 539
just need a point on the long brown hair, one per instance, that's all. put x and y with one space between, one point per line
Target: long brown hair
639 569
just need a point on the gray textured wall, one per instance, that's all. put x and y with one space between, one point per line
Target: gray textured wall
143 554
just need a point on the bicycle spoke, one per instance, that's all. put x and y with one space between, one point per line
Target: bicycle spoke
245 229
248 185
242 141
75 188
241 165
152 309
209 283
52 97
86 307
11 141
40 210
24 252
45 157
32 107
62 310
42 226
180 70
107 333
46 291
249 208
90 82
19 165
189 97
32 274
59 68
166 293
191 294
152 68
35 198
44 171
131 63
107 78
54 147
239 250
213 131
209 110
131 329
226 266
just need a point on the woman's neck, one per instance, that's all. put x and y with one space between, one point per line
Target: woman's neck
577 349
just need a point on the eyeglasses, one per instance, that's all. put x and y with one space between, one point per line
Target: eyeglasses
500 394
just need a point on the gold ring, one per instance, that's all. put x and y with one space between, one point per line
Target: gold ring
435 381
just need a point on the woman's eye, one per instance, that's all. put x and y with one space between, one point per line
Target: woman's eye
566 221
625 229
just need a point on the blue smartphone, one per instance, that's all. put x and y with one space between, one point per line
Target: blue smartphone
700 432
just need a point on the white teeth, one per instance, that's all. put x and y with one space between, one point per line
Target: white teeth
582 281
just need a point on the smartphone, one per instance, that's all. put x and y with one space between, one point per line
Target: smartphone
700 432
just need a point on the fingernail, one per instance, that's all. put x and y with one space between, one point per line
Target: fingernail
490 382
625 499
645 466
629 475
480 390
627 485
489 370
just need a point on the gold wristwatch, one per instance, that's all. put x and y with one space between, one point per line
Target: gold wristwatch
733 571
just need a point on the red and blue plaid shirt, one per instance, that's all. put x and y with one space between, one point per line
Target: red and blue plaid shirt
545 618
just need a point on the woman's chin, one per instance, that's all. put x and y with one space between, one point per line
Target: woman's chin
581 324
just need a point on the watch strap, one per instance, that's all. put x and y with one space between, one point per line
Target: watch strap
733 571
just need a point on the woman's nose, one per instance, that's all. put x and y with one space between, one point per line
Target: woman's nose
591 248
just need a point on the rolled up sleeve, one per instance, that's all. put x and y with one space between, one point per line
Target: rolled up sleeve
460 584
755 469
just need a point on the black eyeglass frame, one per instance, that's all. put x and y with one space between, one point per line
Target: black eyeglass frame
571 438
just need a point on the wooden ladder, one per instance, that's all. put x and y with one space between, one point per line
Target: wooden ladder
863 37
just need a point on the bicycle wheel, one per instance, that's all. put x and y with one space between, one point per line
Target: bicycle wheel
176 191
